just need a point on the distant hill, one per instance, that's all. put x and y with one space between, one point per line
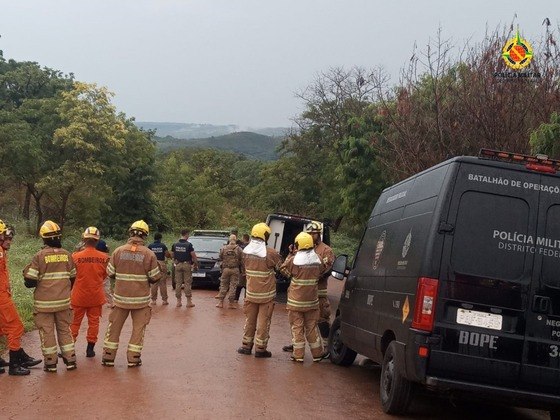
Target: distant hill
252 145
200 131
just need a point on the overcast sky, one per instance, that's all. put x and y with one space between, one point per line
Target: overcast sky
237 61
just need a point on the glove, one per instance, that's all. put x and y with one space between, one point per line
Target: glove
29 283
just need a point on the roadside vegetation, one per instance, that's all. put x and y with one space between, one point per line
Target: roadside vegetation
67 154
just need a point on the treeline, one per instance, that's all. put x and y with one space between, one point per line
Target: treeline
68 154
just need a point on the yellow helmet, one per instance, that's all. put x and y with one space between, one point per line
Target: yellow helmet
314 227
304 241
140 227
260 230
7 230
50 230
91 233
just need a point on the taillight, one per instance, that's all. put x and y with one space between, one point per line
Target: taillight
425 307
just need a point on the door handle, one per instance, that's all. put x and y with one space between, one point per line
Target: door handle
541 304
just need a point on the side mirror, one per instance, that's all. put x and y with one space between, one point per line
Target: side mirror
339 267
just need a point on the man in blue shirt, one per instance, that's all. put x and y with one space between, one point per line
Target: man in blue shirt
184 260
162 253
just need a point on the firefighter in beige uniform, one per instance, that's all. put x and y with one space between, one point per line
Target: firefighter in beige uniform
134 267
52 272
260 264
304 270
231 257
325 252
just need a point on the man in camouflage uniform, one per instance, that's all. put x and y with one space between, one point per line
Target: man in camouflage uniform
231 257
260 263
52 272
134 267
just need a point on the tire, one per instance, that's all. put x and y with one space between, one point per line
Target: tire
341 354
394 390
555 415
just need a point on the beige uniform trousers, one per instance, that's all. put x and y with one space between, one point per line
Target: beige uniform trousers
304 326
183 275
140 318
161 285
257 324
47 323
229 281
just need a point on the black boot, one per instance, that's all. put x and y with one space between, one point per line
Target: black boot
3 363
26 360
16 368
89 351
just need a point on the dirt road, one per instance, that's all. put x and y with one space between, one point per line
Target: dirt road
192 370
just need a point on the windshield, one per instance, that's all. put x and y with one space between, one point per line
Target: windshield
201 244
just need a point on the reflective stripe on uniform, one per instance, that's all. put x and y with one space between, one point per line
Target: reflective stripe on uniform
299 345
32 273
248 339
49 350
154 272
51 304
255 273
322 293
131 277
110 269
260 342
317 343
304 282
264 295
110 345
135 348
73 272
56 275
303 304
131 300
67 347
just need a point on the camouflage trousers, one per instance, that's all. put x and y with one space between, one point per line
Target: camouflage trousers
229 281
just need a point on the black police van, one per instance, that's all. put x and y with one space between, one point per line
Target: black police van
456 284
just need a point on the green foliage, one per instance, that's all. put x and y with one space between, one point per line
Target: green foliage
251 145
546 138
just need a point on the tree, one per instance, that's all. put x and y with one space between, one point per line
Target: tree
546 138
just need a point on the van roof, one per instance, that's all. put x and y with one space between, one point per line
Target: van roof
485 161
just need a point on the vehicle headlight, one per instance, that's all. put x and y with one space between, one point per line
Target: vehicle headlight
218 265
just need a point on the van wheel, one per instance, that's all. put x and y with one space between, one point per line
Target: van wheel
395 390
340 354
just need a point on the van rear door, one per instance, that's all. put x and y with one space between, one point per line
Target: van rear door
541 356
485 276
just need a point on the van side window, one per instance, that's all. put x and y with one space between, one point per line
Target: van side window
550 248
490 236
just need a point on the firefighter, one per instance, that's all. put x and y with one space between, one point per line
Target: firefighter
10 322
260 263
162 253
134 267
184 262
52 272
325 252
231 257
304 270
88 295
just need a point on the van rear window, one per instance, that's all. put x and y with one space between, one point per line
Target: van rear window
484 227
